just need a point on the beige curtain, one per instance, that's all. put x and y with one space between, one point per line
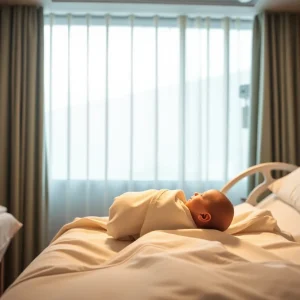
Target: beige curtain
275 105
21 131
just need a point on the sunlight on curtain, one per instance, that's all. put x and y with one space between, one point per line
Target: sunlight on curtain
140 103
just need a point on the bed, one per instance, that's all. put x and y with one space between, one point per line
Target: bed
255 260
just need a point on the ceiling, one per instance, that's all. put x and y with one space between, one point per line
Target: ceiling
182 6
14 2
178 2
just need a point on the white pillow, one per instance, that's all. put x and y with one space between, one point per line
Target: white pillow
287 189
9 226
2 209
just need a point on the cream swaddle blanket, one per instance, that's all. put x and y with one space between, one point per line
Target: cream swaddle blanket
137 213
134 214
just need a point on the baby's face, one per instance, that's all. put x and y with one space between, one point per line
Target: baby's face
206 196
197 197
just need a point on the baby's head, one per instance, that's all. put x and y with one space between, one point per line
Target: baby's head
211 210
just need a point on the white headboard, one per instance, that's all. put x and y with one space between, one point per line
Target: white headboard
265 169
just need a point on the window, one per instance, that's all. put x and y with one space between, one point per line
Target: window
136 103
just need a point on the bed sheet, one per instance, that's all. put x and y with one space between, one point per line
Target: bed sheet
83 262
287 217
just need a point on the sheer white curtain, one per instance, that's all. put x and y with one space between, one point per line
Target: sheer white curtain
138 103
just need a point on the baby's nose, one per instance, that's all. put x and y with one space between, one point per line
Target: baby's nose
196 194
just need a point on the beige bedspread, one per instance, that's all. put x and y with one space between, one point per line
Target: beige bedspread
83 262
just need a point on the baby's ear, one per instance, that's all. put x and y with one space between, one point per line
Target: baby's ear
205 217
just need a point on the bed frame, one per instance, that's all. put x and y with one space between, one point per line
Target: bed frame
265 169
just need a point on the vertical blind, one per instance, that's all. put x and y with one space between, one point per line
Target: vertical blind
135 103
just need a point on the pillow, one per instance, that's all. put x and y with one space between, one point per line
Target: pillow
9 226
287 189
2 209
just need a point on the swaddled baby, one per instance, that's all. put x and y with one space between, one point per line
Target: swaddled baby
134 214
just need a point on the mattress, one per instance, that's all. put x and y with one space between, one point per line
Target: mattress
287 217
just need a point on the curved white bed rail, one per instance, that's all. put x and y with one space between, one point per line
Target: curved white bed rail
265 169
